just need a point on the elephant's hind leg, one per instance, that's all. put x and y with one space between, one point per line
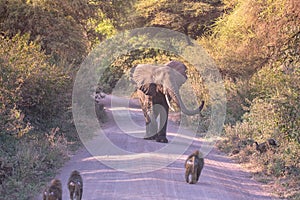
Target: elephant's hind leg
150 136
162 139
163 111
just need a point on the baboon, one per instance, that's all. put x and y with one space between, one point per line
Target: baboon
235 151
273 142
193 167
54 191
262 147
99 106
98 95
75 185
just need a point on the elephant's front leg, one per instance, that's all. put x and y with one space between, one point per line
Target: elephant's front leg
161 109
150 118
151 128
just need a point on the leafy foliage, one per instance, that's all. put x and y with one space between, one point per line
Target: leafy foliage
244 40
43 42
31 88
190 17
27 163
51 23
65 29
258 52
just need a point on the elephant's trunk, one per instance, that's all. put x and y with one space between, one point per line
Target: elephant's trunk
178 100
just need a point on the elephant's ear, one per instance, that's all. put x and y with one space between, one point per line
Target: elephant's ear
178 69
178 66
143 74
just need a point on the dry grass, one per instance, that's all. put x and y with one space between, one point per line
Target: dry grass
28 163
268 168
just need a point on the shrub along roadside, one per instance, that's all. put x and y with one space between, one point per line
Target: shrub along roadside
34 98
26 164
256 44
272 112
31 90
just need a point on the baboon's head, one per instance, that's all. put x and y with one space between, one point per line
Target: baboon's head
54 191
49 196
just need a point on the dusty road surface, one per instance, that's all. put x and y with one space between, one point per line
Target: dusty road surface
221 179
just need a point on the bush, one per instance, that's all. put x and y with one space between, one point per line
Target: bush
31 89
273 113
258 50
55 24
244 40
192 18
27 163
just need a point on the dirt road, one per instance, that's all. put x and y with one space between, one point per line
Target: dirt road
221 179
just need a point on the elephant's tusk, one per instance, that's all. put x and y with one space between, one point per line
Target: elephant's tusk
168 102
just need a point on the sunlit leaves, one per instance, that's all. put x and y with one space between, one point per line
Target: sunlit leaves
30 87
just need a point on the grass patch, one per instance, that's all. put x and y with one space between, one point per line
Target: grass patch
28 163
270 168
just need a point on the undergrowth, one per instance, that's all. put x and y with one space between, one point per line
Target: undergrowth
278 167
27 164
256 44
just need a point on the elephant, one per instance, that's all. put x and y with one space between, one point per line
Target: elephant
156 86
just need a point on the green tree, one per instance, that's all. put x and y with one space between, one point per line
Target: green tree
31 89
190 17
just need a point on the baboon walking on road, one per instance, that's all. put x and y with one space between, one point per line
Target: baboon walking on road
54 191
75 185
193 167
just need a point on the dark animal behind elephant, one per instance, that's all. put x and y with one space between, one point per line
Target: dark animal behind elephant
157 85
